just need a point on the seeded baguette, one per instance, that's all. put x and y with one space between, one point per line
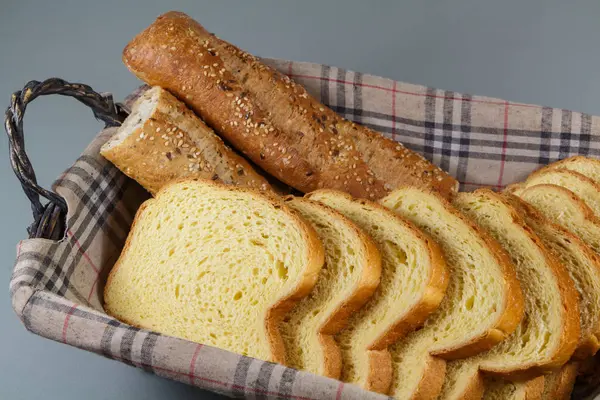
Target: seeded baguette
162 141
272 120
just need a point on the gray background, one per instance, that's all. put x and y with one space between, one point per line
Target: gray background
536 52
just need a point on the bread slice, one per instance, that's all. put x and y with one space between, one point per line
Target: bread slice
587 166
559 384
347 280
483 303
413 282
216 265
162 141
583 266
272 120
563 207
499 389
582 186
549 333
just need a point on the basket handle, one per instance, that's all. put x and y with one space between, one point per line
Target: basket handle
49 219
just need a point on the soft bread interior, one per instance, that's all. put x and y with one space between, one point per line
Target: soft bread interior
476 300
410 276
566 209
583 265
587 166
539 337
346 281
545 339
214 265
141 111
582 186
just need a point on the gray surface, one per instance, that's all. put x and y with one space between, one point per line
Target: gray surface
538 53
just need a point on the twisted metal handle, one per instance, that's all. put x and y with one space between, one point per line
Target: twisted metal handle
49 218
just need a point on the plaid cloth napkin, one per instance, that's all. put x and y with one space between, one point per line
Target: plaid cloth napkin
56 287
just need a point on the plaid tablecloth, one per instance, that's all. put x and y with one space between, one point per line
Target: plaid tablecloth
56 287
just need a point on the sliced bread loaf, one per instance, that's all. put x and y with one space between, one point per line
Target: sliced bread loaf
162 141
216 265
549 333
483 304
348 278
413 282
582 186
583 266
499 389
559 384
563 207
587 166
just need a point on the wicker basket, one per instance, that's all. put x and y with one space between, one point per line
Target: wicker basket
56 284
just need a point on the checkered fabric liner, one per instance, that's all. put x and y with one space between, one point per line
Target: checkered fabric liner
56 287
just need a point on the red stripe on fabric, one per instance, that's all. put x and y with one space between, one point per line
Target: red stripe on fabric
216 382
504 144
93 286
407 92
66 324
19 248
193 363
85 255
394 110
338 396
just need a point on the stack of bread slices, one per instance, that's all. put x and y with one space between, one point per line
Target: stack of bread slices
401 286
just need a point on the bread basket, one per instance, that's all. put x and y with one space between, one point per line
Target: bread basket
76 236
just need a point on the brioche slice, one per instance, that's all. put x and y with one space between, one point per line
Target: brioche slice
347 280
216 265
271 119
413 282
559 384
587 166
563 207
583 266
483 303
548 335
162 141
582 186
499 389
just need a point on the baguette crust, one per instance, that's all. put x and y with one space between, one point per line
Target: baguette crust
315 259
380 362
171 144
363 290
570 305
272 120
